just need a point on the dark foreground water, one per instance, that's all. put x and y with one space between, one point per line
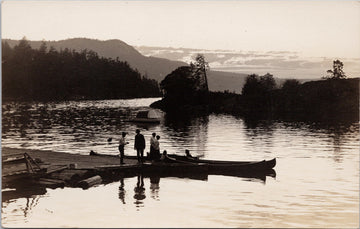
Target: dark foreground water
317 181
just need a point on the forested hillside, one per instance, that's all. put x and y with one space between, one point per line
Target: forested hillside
48 74
154 67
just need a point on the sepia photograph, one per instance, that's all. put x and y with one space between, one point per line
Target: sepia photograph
180 114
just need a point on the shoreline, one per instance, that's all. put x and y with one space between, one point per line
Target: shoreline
7 100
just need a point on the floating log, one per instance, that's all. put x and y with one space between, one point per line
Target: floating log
87 183
71 176
51 183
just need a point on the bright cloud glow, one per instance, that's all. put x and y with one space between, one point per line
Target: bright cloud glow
311 28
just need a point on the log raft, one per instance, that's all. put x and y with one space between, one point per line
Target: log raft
62 169
74 170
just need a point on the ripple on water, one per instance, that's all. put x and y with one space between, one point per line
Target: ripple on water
316 184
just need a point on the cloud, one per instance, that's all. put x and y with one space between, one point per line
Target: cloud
280 63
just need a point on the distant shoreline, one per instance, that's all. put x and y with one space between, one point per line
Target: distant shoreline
314 100
8 100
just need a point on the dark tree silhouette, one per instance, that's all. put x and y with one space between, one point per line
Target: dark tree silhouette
290 85
255 85
199 68
258 93
187 85
179 86
337 71
267 82
262 99
47 74
289 99
251 86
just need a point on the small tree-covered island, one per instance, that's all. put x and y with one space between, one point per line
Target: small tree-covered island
334 97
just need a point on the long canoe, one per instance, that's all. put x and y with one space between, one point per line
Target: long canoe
220 166
262 166
239 165
167 166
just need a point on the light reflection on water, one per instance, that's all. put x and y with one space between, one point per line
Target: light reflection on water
317 182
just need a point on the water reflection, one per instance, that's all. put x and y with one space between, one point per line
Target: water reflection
338 134
333 135
154 187
122 190
256 123
187 131
259 131
77 126
31 196
145 126
139 192
23 192
68 120
316 160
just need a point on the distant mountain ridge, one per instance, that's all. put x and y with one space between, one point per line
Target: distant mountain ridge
152 67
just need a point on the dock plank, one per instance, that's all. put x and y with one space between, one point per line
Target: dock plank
60 158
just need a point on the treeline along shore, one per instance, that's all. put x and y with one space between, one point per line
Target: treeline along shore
47 74
333 98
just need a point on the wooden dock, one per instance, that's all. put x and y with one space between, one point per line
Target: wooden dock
74 170
57 169
59 158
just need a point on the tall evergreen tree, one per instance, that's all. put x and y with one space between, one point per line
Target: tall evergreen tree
337 71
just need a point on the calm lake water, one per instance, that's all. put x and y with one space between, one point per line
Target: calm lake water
317 181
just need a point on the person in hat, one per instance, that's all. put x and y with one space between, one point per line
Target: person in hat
139 145
122 144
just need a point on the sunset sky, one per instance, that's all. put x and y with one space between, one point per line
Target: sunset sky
309 28
315 28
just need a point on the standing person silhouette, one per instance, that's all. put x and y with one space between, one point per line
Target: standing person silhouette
157 148
152 146
139 145
122 144
139 191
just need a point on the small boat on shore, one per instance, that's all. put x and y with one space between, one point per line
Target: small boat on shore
149 116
